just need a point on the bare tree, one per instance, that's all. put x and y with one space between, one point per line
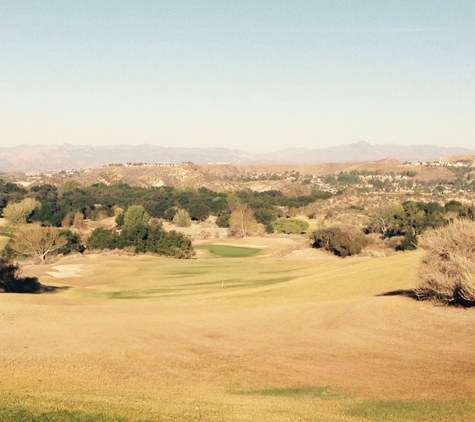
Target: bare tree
37 241
242 221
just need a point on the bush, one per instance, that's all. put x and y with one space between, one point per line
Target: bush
223 220
341 241
74 244
290 226
447 271
408 243
11 282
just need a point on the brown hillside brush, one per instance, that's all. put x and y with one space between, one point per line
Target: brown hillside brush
447 271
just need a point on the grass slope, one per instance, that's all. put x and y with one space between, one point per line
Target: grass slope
234 338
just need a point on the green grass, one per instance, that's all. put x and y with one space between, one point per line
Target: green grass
32 408
413 410
28 415
324 393
226 251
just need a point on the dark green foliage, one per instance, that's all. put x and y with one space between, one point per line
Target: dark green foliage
341 241
100 200
119 220
102 239
408 243
414 219
143 238
11 282
10 192
223 220
51 212
265 215
74 244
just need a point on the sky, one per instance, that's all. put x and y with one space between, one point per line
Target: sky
258 75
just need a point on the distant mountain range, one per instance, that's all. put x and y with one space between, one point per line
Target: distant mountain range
42 158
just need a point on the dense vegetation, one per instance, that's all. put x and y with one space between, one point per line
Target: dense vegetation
342 241
138 210
100 200
140 238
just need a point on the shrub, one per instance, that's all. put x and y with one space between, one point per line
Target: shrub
223 220
11 282
408 243
290 226
342 241
447 271
73 244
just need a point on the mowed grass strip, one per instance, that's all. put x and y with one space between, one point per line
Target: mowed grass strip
226 251
23 414
324 393
414 410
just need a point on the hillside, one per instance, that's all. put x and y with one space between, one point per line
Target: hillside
43 158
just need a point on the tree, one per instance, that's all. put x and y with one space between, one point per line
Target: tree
68 185
38 241
102 239
182 218
388 220
242 221
136 214
340 240
17 213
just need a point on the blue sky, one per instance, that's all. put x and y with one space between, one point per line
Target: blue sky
252 75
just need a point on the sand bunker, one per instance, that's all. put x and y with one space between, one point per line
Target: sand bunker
65 271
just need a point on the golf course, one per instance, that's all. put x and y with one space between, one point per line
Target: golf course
236 334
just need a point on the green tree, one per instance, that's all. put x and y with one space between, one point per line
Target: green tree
102 239
341 241
136 214
388 220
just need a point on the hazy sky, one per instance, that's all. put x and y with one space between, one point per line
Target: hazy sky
255 75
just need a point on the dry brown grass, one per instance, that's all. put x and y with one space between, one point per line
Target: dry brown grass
447 270
161 339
